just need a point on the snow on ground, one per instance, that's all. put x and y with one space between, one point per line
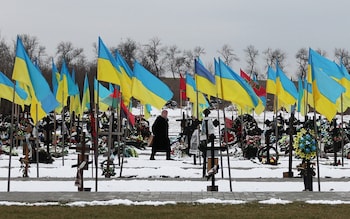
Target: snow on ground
179 175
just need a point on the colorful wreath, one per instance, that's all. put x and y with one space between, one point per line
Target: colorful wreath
305 144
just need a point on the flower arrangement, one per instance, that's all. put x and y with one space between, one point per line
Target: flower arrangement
305 144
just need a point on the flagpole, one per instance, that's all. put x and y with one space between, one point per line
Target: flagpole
220 144
37 141
198 127
276 122
307 96
180 99
318 148
54 135
225 138
62 130
342 131
11 136
119 132
97 99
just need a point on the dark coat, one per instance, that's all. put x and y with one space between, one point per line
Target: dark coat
160 129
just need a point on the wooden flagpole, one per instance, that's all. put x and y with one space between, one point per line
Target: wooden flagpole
96 125
37 141
11 137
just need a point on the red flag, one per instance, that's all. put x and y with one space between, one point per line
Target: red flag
259 90
182 88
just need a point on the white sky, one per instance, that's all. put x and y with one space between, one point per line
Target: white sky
288 25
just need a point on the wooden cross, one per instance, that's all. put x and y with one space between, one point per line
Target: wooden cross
83 151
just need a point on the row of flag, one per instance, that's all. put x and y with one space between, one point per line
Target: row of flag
225 84
324 88
33 90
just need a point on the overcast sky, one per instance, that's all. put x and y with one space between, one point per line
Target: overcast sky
285 24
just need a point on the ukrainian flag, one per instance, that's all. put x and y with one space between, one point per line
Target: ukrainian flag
72 88
271 81
102 92
86 101
325 90
285 88
147 88
218 79
126 78
61 91
236 89
193 95
302 105
205 80
24 71
107 66
6 87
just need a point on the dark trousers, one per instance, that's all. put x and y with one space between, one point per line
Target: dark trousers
154 150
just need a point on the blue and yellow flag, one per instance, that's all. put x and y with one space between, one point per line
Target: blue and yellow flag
271 81
126 78
6 87
73 75
236 89
326 91
102 92
336 72
107 66
302 103
147 88
259 91
218 79
345 81
193 95
86 101
61 92
72 88
147 111
24 71
205 80
75 104
285 88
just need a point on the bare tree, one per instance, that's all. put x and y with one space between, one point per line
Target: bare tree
74 58
35 51
198 51
95 49
342 55
174 61
128 51
6 57
228 54
302 57
251 55
271 56
321 52
151 57
71 55
189 60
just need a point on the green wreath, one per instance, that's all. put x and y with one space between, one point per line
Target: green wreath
305 144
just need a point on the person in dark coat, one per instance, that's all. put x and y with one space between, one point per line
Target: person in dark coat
161 141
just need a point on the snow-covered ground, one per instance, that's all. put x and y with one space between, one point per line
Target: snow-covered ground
181 174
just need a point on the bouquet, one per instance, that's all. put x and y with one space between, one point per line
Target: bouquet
305 144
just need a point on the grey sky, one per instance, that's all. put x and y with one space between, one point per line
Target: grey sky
285 24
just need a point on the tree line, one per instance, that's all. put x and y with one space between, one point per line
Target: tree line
153 55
